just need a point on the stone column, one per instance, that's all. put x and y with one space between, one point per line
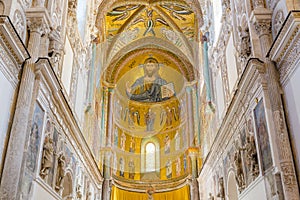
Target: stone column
190 116
194 187
206 72
12 171
109 133
261 19
107 184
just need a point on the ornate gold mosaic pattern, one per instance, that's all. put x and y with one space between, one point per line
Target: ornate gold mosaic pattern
160 19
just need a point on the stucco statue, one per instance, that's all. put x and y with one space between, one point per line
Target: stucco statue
244 46
210 197
47 157
60 172
239 173
78 192
221 193
251 156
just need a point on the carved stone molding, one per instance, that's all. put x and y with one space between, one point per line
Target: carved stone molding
8 68
12 51
25 3
14 45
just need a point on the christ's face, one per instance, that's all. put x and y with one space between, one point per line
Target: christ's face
150 69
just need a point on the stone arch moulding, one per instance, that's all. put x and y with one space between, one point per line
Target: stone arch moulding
117 68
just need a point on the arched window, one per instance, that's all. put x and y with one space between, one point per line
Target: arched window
150 157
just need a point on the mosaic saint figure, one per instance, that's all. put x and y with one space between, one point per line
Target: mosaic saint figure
178 167
123 141
132 145
149 120
131 167
121 162
169 169
167 144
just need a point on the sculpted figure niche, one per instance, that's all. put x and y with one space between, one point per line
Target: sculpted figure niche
251 156
47 158
238 165
150 87
60 171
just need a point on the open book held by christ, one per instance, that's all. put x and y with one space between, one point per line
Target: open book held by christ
167 90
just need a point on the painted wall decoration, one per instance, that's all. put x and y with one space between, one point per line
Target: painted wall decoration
35 137
262 135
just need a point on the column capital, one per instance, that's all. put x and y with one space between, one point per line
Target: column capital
261 18
263 27
38 20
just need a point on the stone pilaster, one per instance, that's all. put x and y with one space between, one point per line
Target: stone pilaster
261 19
12 171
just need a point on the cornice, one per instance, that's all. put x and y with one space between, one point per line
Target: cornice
15 47
285 50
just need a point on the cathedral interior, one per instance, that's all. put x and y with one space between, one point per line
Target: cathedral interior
149 99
